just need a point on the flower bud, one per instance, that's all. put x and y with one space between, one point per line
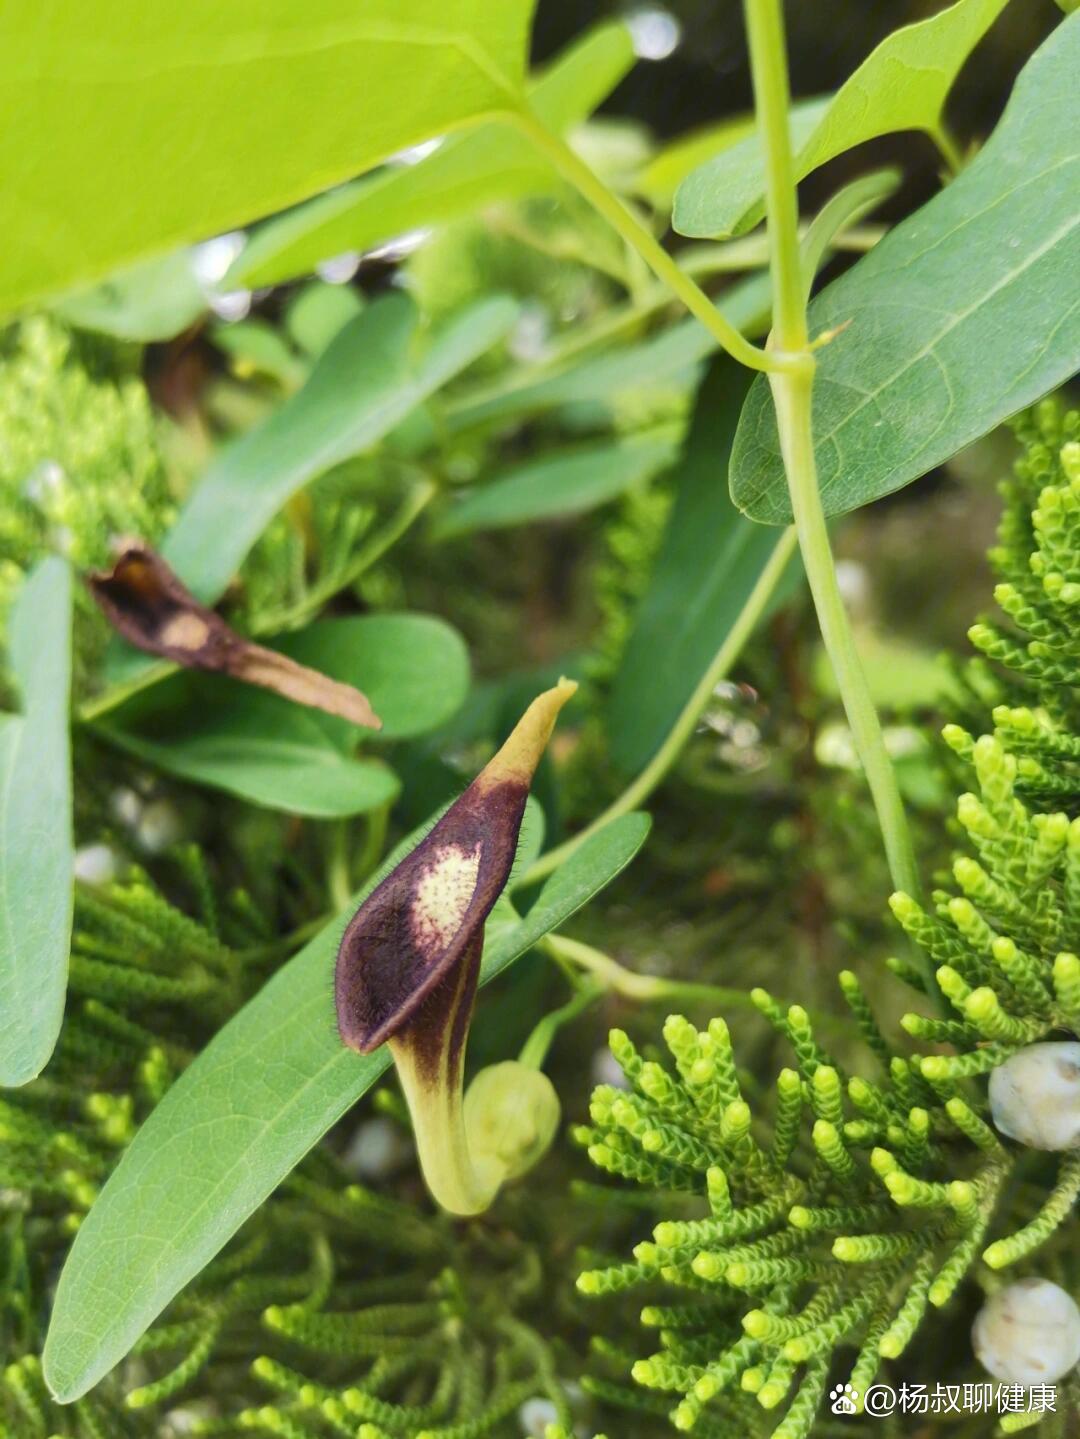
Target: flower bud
511 1116
1028 1333
1035 1095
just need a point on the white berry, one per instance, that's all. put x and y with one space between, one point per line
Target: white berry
96 864
1028 1333
535 1415
160 827
1035 1095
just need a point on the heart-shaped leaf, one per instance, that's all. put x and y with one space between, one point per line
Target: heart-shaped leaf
127 134
414 668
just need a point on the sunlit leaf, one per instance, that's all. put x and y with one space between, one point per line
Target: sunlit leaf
36 853
235 1123
567 482
902 85
123 135
961 316
361 388
492 162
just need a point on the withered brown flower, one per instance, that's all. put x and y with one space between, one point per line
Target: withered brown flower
146 602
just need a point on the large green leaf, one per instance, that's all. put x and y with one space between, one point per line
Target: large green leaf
413 668
709 562
492 162
36 856
361 388
961 316
212 731
264 1090
125 133
564 483
902 85
672 355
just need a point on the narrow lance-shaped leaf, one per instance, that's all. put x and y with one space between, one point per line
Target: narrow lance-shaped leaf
710 561
962 315
362 387
561 482
902 85
145 602
36 854
409 960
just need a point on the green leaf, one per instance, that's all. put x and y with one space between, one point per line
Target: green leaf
257 347
902 85
846 207
658 181
262 1092
492 162
152 300
36 854
960 317
212 731
413 668
120 140
361 388
567 482
709 562
671 356
317 312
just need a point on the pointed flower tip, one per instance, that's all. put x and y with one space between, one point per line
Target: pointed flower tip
521 753
424 922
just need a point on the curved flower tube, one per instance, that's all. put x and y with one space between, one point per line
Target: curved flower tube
409 961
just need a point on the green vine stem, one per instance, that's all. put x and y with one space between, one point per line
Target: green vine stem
790 364
654 772
792 388
535 1049
626 224
615 977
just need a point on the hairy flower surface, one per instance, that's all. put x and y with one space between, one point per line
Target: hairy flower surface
409 960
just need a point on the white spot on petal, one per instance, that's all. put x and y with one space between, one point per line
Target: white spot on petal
443 893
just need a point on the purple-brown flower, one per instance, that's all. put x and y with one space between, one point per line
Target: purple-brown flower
409 961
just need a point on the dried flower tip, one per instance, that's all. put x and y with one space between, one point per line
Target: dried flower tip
146 603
